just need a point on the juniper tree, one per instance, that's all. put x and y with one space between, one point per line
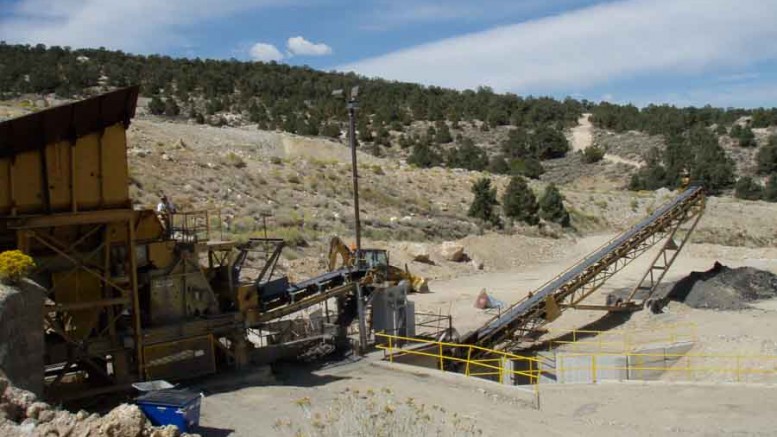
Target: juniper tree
519 202
552 206
484 203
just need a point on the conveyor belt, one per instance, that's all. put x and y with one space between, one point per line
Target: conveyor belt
279 298
528 311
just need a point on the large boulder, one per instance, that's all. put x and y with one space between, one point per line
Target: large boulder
419 253
21 334
451 251
125 420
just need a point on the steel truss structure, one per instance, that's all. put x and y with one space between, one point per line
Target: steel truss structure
94 246
673 221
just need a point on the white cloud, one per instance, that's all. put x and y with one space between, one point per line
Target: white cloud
265 52
132 25
389 14
300 46
592 46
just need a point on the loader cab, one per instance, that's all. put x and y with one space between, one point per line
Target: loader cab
374 258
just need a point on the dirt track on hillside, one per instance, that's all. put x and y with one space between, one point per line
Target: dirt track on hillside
582 137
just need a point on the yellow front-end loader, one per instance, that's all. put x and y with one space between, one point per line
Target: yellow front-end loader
377 261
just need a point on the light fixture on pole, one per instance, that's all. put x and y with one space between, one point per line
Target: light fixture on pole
352 106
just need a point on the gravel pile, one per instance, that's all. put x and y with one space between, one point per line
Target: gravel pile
724 288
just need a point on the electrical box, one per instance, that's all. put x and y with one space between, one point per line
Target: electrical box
392 313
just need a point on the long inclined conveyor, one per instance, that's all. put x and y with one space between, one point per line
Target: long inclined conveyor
581 280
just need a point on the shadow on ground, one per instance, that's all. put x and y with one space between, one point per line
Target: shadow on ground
604 323
207 431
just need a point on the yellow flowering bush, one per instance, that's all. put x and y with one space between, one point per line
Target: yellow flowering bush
14 265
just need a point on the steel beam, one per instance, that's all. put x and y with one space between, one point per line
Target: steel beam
70 219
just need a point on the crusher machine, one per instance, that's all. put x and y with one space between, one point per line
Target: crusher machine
126 299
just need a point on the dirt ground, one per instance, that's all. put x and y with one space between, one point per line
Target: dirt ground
456 296
649 409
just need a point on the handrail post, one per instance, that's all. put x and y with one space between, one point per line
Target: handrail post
207 225
469 357
221 227
391 350
442 366
537 383
738 369
688 367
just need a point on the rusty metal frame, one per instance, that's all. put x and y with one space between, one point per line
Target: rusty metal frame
664 259
79 350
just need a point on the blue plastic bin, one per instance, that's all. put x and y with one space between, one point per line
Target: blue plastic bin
171 407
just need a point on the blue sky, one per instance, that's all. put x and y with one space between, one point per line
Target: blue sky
720 52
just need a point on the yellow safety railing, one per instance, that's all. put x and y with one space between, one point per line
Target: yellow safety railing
470 360
589 367
623 340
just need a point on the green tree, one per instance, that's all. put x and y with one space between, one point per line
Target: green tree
484 203
766 158
156 106
256 114
171 107
424 156
283 90
529 167
331 130
764 117
290 124
653 175
517 144
770 190
711 166
746 188
364 131
519 202
552 206
746 137
467 156
405 141
443 134
549 143
383 137
498 165
592 154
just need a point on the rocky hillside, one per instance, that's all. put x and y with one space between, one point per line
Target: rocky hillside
304 186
